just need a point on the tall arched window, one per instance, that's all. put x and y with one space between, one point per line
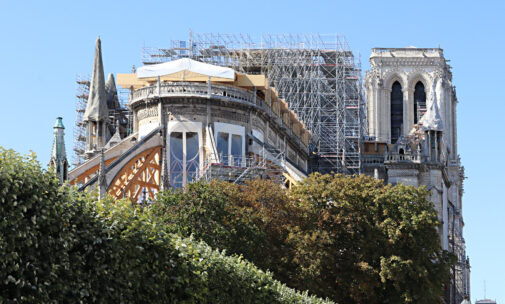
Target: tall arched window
185 142
396 111
419 101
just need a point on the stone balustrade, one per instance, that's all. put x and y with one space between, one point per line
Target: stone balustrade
215 91
185 89
403 157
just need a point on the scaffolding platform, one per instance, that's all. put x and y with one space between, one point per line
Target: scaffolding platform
317 74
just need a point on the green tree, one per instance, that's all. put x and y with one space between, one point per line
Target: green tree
250 220
352 239
361 241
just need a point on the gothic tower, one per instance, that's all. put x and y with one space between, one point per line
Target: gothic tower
399 88
411 121
96 115
58 162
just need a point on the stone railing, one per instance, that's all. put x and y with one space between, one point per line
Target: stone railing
372 159
403 158
214 91
407 51
412 158
184 89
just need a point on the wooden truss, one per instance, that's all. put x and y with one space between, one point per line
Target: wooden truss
140 177
88 174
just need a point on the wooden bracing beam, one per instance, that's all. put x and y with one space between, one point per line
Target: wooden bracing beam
142 172
86 175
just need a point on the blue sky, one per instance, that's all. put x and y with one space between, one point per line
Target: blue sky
45 44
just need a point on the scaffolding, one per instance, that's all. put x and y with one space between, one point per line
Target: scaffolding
244 169
83 83
123 114
317 75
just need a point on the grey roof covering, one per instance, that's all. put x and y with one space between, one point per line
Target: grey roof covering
96 109
111 92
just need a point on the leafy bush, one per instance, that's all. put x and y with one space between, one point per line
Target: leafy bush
58 246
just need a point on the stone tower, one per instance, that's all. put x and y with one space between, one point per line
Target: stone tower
58 162
411 122
96 115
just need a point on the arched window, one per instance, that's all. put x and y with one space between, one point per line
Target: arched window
396 111
184 140
419 101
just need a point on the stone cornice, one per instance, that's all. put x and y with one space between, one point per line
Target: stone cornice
402 62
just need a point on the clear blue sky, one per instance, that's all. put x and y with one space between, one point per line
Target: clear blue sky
45 44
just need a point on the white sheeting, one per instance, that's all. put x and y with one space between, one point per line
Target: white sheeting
432 119
185 64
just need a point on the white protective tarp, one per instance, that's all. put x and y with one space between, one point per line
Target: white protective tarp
185 64
432 119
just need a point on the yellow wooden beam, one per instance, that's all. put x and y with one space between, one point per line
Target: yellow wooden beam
249 81
127 81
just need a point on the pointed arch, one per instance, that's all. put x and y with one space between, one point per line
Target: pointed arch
393 77
419 101
396 111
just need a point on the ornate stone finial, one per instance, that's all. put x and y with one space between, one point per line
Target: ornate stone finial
58 161
134 70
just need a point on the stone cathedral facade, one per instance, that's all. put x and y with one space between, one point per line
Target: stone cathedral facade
189 123
412 139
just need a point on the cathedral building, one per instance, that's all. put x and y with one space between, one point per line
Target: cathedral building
210 111
191 120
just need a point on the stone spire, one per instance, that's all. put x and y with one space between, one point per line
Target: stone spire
102 182
96 109
111 92
58 161
96 114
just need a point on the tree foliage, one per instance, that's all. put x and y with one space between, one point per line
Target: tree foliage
352 239
361 241
249 220
60 246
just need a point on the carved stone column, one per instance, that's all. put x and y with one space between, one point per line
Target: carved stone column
406 111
